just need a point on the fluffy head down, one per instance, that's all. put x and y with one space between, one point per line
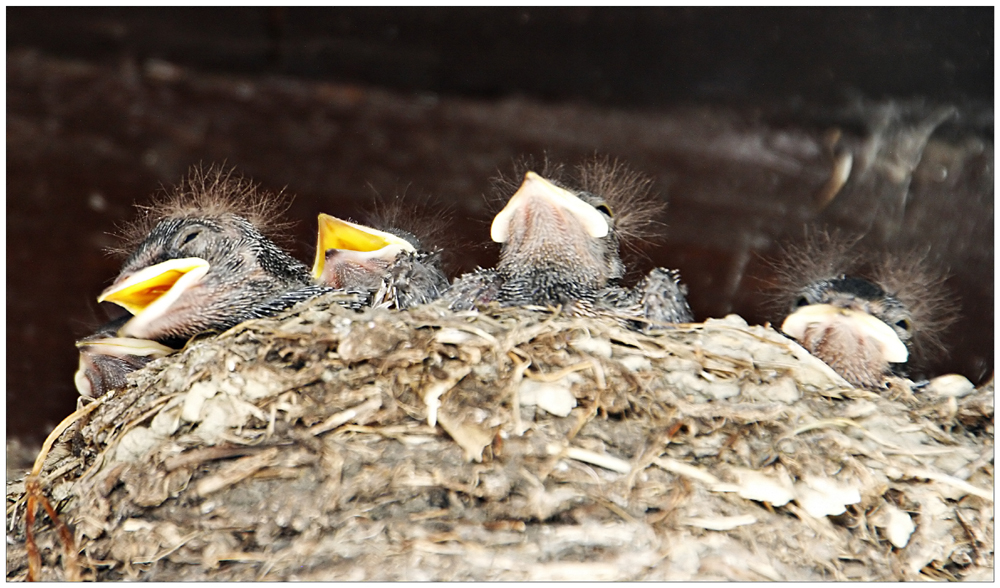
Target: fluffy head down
211 194
424 222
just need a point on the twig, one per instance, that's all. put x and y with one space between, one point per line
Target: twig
164 554
205 454
948 480
973 539
556 376
33 490
677 467
515 386
345 416
238 470
608 462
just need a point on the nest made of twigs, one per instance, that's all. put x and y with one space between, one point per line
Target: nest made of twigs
512 444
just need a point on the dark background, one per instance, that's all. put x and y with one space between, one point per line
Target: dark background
738 114
630 57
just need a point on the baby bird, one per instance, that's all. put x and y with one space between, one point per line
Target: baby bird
199 262
560 247
105 359
865 319
389 267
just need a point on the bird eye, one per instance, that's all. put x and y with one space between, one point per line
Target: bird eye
904 324
604 208
801 301
188 237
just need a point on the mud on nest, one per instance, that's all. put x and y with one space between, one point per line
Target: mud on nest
513 445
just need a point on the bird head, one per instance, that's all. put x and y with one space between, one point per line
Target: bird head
200 264
866 315
853 325
352 256
105 360
546 227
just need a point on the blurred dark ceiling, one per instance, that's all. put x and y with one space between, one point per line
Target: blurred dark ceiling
608 56
738 114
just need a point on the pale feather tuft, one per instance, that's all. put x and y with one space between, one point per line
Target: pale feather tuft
629 195
908 276
921 288
209 193
425 218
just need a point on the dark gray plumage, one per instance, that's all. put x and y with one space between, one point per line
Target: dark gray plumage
658 299
476 288
416 278
388 266
202 265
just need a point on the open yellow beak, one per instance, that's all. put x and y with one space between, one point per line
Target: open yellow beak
160 284
536 188
340 234
797 323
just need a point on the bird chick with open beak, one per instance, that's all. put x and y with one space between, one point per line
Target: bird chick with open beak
560 247
106 359
389 266
199 262
865 316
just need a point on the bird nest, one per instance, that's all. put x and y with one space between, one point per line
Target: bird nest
509 444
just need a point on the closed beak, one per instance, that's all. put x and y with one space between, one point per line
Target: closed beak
862 323
536 192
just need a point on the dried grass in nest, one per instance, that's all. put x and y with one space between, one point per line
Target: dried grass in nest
513 445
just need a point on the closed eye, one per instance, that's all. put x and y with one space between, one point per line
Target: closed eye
188 237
